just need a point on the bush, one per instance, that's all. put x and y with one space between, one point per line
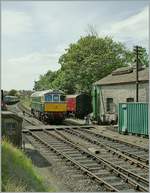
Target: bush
18 172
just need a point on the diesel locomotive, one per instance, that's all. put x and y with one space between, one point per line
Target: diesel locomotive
49 105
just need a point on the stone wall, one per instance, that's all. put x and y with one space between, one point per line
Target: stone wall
120 93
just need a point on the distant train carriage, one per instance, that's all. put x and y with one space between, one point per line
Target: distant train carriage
10 100
48 105
79 105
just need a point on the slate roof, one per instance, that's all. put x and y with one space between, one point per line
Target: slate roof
128 77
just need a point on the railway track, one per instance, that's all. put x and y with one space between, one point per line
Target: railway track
113 145
127 165
90 136
27 117
63 169
106 175
23 108
136 152
116 168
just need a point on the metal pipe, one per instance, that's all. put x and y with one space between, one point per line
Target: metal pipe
137 75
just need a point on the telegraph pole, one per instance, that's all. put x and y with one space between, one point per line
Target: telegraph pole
137 50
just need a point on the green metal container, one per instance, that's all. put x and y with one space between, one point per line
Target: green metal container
133 118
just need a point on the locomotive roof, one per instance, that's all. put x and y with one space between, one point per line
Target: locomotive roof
43 92
75 95
9 96
72 96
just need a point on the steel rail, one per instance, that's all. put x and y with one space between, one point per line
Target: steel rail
29 121
24 118
129 173
124 152
110 149
77 164
23 108
126 178
32 122
119 141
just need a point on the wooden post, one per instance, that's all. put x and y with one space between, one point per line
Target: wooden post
137 75
137 50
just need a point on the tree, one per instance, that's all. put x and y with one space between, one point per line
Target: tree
144 58
45 81
91 30
86 61
12 92
89 60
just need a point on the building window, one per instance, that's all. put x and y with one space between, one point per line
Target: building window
109 104
130 99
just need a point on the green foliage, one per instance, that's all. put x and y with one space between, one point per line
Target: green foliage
26 101
18 173
89 60
12 92
45 81
86 61
144 59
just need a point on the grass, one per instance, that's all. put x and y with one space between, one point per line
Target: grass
26 101
18 172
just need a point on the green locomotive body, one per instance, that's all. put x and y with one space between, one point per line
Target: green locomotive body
48 105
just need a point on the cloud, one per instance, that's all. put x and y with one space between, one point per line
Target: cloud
35 35
15 22
35 59
132 30
24 70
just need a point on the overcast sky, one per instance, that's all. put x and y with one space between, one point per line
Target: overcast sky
35 34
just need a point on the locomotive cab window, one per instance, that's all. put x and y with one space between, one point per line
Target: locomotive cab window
62 97
109 104
55 97
48 98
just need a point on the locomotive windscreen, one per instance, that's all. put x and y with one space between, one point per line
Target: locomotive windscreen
48 97
55 97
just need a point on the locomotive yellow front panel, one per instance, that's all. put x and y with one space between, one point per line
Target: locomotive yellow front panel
55 107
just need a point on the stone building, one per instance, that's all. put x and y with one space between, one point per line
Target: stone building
12 127
120 86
